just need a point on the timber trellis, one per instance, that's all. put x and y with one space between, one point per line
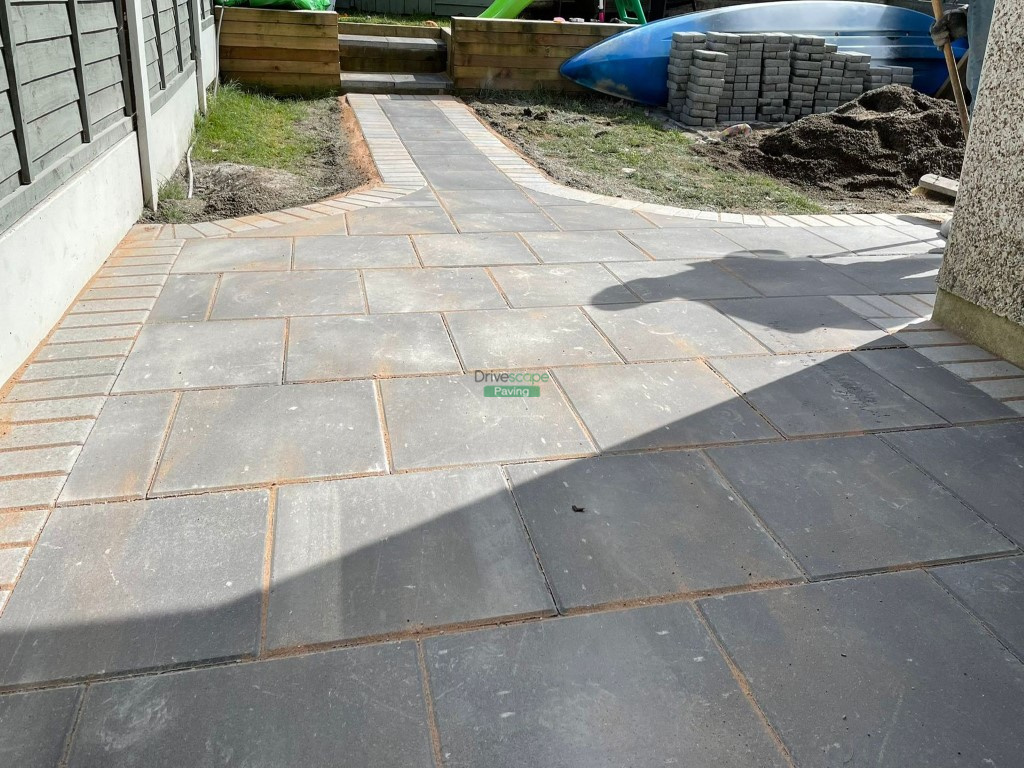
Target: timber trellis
65 84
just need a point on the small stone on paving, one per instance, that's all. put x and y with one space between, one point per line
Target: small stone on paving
598 545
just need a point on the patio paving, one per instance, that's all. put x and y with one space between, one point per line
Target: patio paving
259 505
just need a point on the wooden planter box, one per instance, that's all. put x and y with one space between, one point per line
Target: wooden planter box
284 51
516 54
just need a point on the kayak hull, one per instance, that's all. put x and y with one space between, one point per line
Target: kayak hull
634 64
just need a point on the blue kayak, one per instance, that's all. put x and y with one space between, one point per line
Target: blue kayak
634 64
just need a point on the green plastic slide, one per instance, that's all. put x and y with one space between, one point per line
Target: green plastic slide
505 9
294 5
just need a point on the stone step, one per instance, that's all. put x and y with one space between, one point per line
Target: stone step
375 53
400 83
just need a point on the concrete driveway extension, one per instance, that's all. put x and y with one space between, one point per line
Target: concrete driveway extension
262 505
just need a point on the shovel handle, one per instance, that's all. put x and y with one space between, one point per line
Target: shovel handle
954 75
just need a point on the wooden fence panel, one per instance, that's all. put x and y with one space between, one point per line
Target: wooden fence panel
61 85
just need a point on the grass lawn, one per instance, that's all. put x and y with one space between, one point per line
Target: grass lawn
612 148
414 20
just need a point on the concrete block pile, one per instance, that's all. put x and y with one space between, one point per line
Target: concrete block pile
721 77
775 73
704 88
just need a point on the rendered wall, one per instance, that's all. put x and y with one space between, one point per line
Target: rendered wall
50 253
982 278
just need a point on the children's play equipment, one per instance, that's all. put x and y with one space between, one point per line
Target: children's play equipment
634 64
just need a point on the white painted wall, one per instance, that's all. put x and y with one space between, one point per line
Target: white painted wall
208 50
48 256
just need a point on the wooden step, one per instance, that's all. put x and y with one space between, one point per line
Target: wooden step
398 83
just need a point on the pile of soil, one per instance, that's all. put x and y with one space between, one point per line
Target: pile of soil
875 147
228 190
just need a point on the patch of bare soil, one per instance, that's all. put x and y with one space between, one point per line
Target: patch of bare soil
869 153
229 190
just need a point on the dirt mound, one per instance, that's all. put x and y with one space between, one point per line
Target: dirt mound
228 189
880 143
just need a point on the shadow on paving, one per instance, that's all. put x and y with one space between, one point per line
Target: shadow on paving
888 669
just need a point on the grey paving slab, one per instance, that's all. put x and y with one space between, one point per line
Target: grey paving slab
503 222
805 324
663 281
561 285
21 527
413 221
444 421
120 455
885 670
942 391
984 370
34 727
557 247
184 298
189 355
442 179
983 465
652 524
672 330
112 347
591 217
137 585
78 386
69 334
12 560
641 687
377 346
380 555
33 435
464 162
686 222
890 274
849 505
29 491
234 255
42 410
472 250
446 147
58 458
430 290
993 590
54 369
868 239
782 242
963 353
695 244
233 437
823 394
478 201
363 252
660 405
790 276
358 706
546 200
527 338
287 294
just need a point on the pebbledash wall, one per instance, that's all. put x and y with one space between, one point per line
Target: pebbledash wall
981 283
97 102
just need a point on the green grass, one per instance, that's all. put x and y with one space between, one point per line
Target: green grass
414 20
600 138
253 129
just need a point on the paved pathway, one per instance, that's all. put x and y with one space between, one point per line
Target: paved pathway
262 512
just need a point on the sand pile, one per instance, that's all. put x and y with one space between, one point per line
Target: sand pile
882 142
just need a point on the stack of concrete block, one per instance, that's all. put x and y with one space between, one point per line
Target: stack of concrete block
728 44
827 94
807 61
856 69
680 58
747 85
704 88
877 77
775 73
903 76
